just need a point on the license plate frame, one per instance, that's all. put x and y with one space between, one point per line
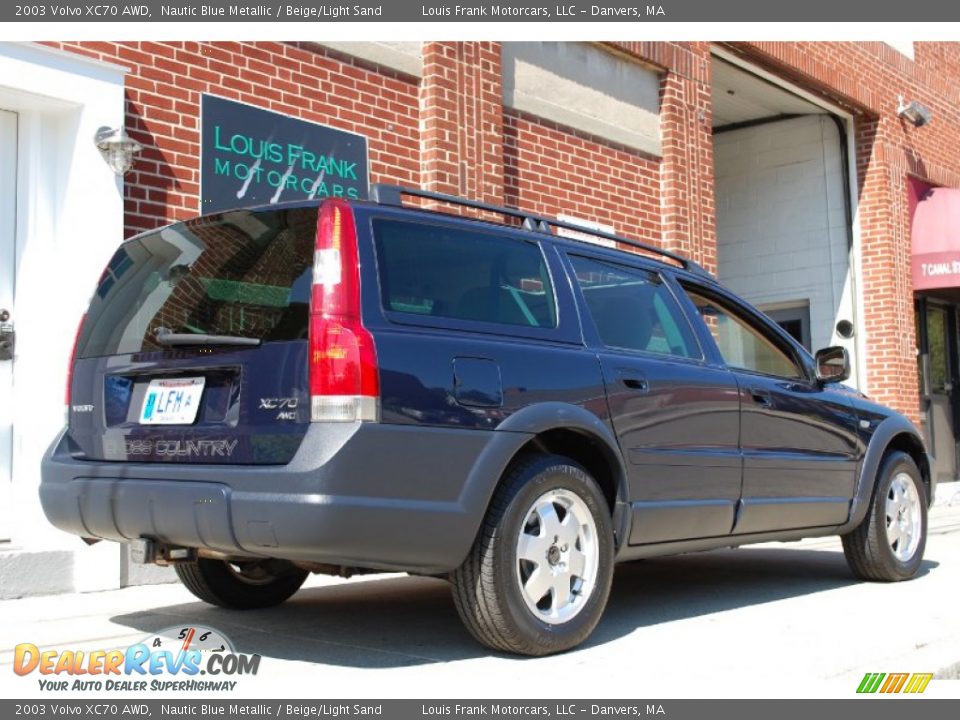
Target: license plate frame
172 401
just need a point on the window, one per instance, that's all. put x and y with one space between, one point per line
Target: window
741 345
463 274
795 320
238 273
633 309
938 344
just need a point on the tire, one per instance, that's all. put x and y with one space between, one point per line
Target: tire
241 585
513 561
888 545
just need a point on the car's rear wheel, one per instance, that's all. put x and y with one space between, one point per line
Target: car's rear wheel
538 576
888 545
241 585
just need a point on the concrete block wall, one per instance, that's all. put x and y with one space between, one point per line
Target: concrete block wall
781 221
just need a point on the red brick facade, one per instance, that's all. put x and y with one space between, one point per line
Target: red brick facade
448 131
867 78
163 110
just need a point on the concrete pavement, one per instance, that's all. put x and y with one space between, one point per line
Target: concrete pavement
766 621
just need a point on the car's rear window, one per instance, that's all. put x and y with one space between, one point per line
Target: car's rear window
463 274
239 273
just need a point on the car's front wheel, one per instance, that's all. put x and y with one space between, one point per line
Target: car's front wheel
538 576
241 585
888 545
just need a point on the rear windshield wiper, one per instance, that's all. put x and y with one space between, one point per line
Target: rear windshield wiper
171 338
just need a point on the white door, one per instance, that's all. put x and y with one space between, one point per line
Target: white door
8 257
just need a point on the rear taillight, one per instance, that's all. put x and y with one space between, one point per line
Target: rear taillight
73 359
344 379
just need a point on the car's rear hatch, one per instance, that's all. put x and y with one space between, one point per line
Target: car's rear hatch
194 348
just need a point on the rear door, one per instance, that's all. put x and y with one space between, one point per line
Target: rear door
472 323
233 292
675 415
798 436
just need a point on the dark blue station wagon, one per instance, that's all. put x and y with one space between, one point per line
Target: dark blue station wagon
346 386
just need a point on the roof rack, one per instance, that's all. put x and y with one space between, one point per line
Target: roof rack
384 194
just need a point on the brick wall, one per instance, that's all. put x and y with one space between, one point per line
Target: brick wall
867 78
687 182
552 170
462 120
163 107
447 131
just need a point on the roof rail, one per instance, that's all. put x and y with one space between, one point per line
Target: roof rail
383 194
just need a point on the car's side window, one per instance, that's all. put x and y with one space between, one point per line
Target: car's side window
633 309
463 274
742 345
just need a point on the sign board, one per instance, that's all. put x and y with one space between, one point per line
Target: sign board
589 225
250 156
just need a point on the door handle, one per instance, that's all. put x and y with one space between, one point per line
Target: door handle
634 381
761 397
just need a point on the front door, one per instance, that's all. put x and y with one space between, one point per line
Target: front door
798 436
8 230
938 340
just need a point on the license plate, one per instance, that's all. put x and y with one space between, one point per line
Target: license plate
172 401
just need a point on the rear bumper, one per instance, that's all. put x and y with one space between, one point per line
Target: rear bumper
367 495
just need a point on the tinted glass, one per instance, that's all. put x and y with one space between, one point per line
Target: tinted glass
742 345
240 273
462 274
633 309
938 344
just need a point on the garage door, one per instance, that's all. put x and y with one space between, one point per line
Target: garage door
781 219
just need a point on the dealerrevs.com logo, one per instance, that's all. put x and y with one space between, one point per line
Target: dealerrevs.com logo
182 659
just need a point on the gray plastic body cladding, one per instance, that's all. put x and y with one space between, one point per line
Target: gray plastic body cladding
366 495
662 549
888 429
547 416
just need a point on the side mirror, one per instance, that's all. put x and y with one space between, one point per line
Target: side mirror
833 364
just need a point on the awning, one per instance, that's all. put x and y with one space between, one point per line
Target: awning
936 240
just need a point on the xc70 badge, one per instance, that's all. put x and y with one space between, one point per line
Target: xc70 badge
287 406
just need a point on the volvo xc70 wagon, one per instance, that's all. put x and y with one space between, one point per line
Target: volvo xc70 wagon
346 386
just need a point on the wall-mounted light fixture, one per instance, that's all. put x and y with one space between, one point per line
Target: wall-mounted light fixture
914 112
117 148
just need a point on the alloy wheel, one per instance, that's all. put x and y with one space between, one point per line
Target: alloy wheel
557 556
